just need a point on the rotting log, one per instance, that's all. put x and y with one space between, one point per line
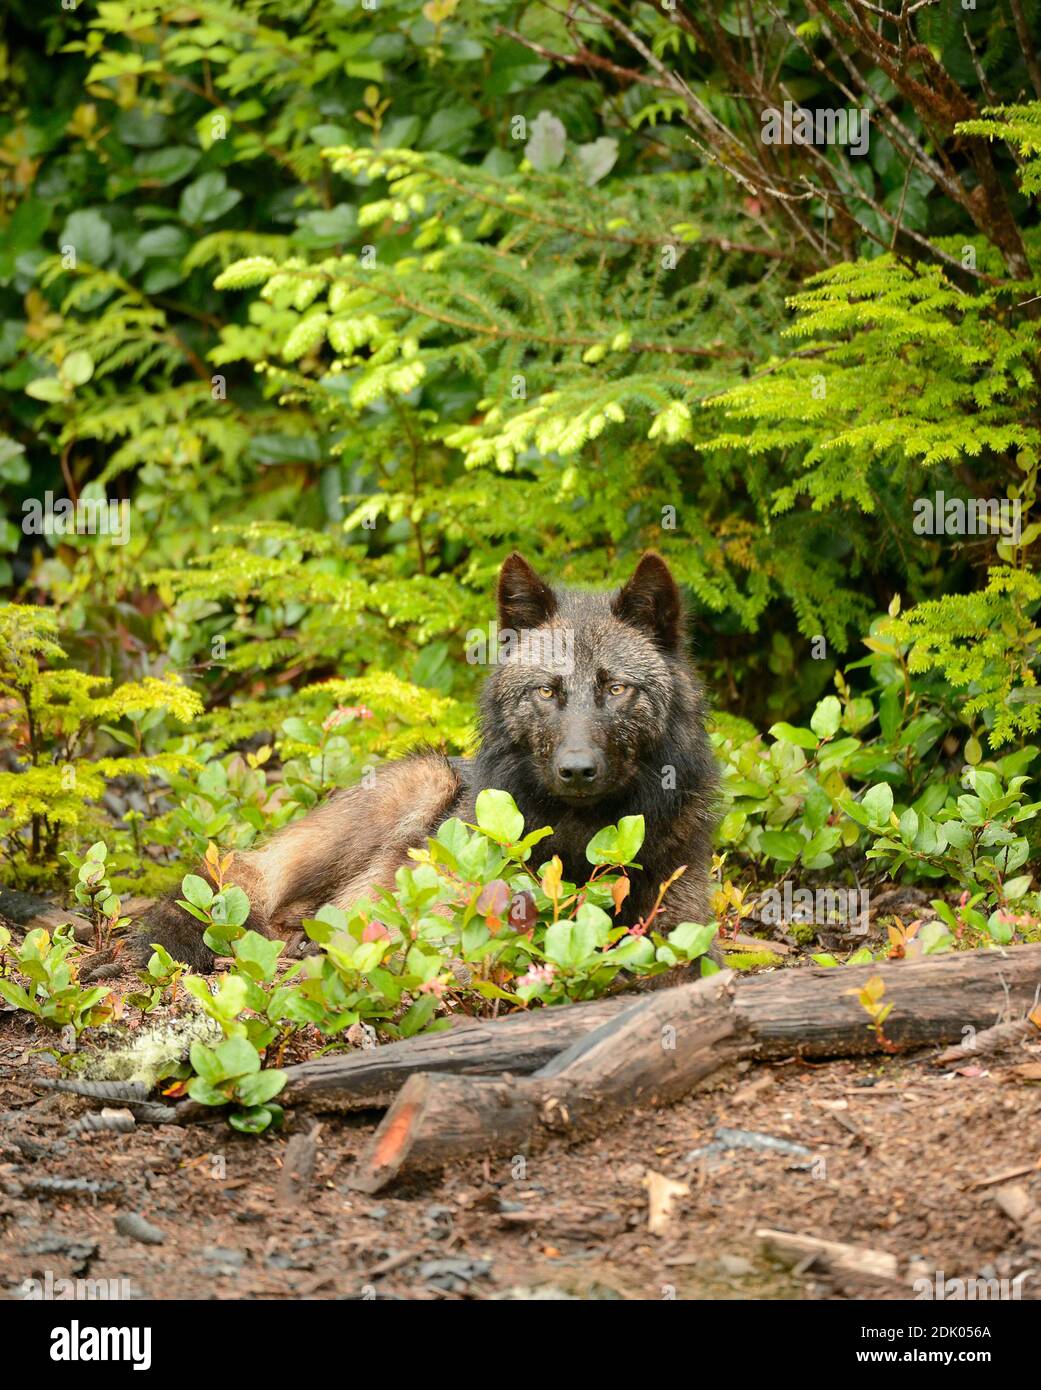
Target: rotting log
649 1054
25 911
805 1012
520 1042
662 1046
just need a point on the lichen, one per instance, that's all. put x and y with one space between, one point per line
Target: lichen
150 1053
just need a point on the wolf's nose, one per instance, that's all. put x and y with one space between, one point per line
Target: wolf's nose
576 767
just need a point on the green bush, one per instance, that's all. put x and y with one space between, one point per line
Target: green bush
336 306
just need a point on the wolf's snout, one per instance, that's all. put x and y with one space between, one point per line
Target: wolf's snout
579 770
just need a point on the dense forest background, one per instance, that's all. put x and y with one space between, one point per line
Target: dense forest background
345 300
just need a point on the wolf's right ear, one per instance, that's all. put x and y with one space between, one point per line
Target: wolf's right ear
525 601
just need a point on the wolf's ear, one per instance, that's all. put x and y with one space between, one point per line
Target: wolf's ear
525 601
651 602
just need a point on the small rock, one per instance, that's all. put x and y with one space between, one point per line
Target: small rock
282 1261
135 1227
70 1187
745 1139
453 1275
223 1255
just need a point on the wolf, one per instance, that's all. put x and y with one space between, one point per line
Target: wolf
599 715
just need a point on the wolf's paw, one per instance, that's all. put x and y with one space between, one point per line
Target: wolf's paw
164 924
299 944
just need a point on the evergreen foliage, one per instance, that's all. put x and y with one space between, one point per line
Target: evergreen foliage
345 304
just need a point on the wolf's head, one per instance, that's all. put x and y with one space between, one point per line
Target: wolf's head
588 683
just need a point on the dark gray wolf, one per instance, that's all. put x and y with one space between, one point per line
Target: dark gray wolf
596 714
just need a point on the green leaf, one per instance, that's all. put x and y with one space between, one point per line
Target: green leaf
630 838
418 1015
877 802
597 159
497 815
631 951
166 166
77 369
258 956
197 891
89 234
16 995
788 733
547 139
206 1063
237 1057
617 844
514 67
450 129
557 944
230 907
1014 888
691 939
204 1093
208 198
890 711
935 938
256 1119
826 717
783 845
169 242
259 1088
47 388
300 729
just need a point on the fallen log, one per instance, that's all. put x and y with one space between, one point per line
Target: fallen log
520 1042
663 1045
790 1013
23 912
652 1053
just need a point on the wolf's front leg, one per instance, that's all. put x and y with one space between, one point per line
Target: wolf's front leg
168 925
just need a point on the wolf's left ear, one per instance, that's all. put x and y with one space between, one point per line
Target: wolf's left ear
651 602
525 600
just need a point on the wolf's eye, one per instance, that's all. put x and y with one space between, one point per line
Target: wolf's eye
545 692
617 688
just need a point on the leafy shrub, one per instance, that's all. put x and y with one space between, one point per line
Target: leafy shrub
345 303
50 991
54 717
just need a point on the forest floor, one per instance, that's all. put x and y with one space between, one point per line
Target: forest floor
938 1168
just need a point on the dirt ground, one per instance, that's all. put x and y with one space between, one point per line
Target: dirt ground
935 1167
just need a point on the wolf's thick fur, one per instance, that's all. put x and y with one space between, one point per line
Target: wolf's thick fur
603 717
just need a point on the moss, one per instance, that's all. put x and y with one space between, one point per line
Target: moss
152 881
751 960
805 933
